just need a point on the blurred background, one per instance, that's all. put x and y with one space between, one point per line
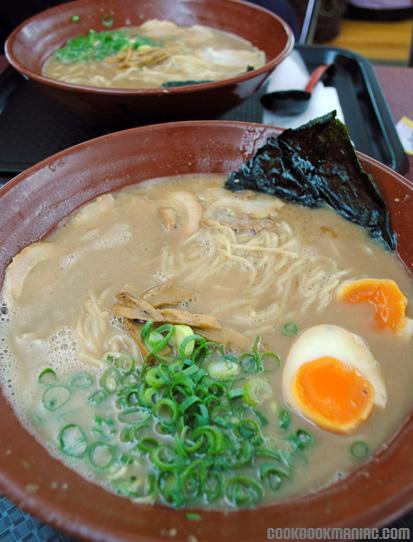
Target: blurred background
381 30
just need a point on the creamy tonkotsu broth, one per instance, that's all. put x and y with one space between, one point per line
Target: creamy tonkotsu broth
154 54
250 260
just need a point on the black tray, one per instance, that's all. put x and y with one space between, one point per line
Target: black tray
32 126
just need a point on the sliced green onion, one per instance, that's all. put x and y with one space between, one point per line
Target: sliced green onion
199 375
134 487
271 361
99 45
242 490
165 458
134 416
190 481
188 442
80 380
289 329
242 456
123 362
256 391
213 436
169 488
75 18
126 435
165 428
183 332
188 403
248 363
213 485
130 380
107 21
271 475
235 393
126 459
359 449
179 392
156 340
191 416
103 421
284 419
301 439
55 397
249 429
149 397
97 397
105 428
132 397
283 459
198 416
47 377
147 444
257 355
253 363
223 369
157 377
166 409
193 516
72 441
216 388
110 380
102 455
191 370
263 420
145 331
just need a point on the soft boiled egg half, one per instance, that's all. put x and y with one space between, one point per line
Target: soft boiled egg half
387 300
332 378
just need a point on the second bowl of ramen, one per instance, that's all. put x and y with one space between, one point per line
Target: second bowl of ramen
135 61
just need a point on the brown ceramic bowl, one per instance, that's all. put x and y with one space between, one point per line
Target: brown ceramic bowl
36 39
31 205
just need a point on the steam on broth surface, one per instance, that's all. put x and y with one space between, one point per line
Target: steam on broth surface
154 54
261 267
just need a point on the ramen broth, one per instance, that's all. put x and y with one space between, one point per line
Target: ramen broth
152 55
255 272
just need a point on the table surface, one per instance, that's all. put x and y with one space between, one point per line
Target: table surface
397 84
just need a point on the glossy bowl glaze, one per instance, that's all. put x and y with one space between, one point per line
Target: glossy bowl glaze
31 205
36 39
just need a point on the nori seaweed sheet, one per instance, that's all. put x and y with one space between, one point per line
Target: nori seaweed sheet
315 165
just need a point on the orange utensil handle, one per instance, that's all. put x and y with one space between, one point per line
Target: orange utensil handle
316 76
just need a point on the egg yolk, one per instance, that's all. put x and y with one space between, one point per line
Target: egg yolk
332 394
384 294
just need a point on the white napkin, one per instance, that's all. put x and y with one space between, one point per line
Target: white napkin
292 74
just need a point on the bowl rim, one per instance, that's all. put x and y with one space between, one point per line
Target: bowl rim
53 513
103 91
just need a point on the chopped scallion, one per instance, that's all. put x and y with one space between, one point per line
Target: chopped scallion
359 449
289 329
256 391
55 397
72 441
102 455
47 377
80 380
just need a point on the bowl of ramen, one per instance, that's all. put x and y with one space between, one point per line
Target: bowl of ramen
129 61
195 345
